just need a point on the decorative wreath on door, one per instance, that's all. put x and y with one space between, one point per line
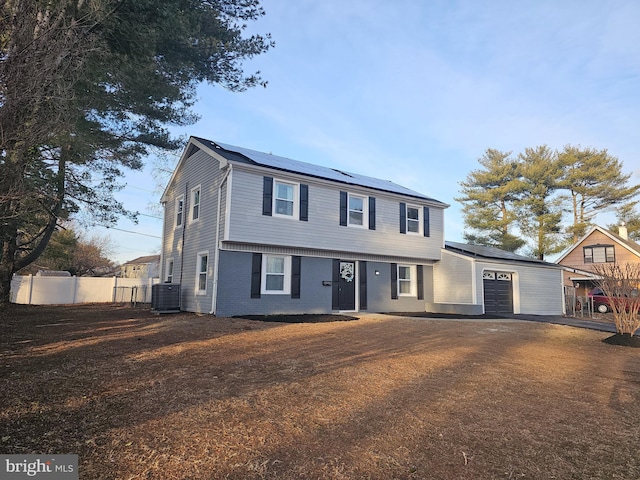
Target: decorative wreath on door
347 271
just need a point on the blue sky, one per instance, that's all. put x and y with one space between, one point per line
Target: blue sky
416 91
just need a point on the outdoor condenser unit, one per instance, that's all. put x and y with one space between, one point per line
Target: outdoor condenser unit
165 297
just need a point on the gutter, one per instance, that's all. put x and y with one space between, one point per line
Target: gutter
214 294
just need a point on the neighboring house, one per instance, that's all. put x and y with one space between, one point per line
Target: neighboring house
141 267
247 232
475 279
598 246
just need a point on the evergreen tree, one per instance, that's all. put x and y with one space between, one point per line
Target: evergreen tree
488 201
629 215
539 208
595 182
86 88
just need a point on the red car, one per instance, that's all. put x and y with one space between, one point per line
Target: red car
602 303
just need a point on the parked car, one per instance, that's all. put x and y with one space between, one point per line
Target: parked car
602 303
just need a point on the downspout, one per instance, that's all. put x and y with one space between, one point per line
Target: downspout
214 294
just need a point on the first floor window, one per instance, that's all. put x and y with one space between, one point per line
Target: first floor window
201 279
276 274
406 280
169 274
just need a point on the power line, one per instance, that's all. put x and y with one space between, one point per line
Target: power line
130 231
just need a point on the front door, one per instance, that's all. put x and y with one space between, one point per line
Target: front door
344 285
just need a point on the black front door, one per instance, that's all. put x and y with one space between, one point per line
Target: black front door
344 285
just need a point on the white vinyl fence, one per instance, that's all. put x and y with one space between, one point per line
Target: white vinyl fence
33 290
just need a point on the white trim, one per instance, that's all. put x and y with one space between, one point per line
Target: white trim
168 261
216 254
175 211
413 280
419 220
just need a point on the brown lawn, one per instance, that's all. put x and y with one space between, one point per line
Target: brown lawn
137 395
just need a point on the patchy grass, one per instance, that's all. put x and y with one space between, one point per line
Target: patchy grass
137 395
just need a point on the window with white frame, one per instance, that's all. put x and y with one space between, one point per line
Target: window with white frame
276 274
407 280
195 203
201 272
285 199
599 254
179 210
357 210
169 271
413 219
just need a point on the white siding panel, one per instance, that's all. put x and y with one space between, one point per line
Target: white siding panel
323 229
453 279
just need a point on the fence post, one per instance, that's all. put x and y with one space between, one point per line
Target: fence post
30 288
75 289
115 286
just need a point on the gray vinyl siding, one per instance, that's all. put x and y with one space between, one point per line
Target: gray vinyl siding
453 280
234 290
379 290
536 290
199 169
323 229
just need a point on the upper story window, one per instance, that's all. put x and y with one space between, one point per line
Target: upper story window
357 210
414 220
195 203
179 210
599 254
285 199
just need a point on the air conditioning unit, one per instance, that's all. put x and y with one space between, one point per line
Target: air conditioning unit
165 297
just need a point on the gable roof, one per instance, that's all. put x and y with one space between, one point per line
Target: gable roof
143 260
252 157
630 245
492 253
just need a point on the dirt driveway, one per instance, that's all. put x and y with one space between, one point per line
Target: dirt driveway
140 396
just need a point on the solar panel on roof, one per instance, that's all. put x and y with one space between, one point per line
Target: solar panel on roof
295 166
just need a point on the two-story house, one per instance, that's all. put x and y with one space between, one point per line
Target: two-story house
247 232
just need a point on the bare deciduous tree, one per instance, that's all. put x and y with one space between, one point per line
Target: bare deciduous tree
620 283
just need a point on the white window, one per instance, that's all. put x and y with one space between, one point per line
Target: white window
201 273
357 210
179 210
407 280
169 271
276 274
285 199
600 254
413 219
195 203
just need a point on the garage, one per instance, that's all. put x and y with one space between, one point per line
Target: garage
498 293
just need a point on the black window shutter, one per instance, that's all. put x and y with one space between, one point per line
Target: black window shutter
267 195
295 276
403 217
335 285
343 208
304 203
394 281
256 274
427 231
420 282
363 285
372 213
